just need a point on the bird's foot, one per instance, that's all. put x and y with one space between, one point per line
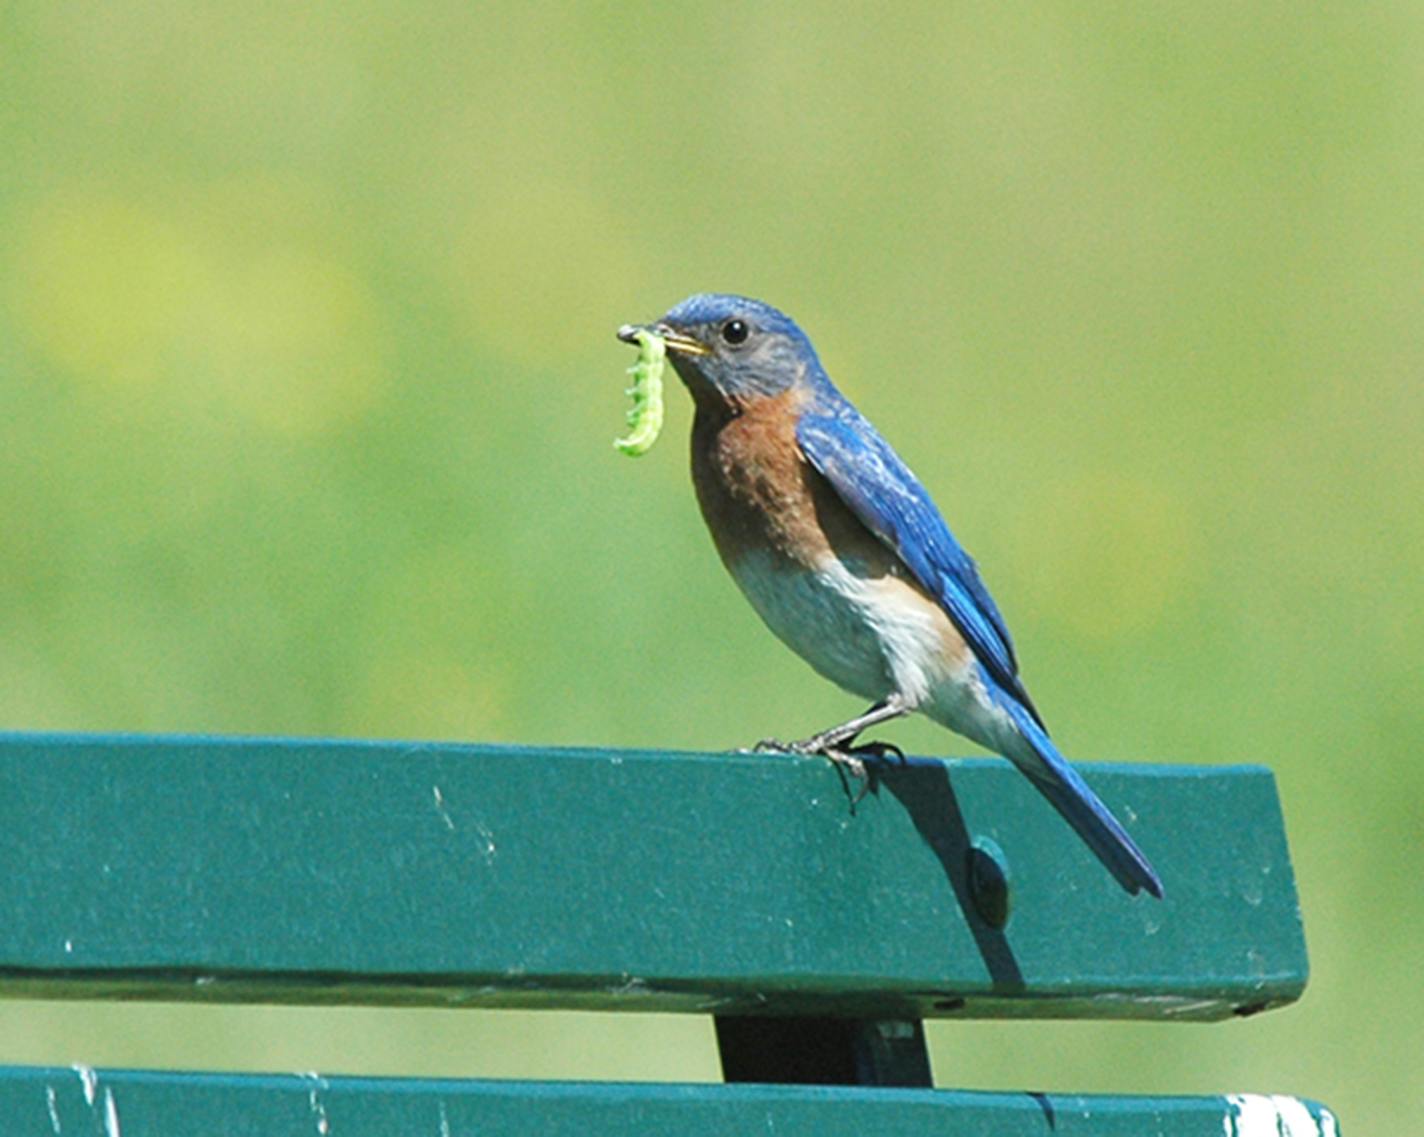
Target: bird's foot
848 759
856 779
878 750
828 745
850 762
853 760
839 745
816 744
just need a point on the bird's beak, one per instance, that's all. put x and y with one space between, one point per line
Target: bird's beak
675 340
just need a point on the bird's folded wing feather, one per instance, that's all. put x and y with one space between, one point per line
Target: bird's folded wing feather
888 500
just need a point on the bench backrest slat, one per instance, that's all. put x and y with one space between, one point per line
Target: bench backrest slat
320 871
44 1102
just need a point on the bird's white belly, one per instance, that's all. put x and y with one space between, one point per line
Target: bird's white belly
872 635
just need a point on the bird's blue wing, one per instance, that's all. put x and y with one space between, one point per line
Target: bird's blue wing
889 501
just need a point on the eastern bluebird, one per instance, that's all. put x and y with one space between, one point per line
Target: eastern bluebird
845 557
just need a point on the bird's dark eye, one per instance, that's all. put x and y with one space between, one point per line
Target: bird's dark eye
735 332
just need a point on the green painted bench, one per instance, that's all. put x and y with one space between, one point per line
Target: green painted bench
818 934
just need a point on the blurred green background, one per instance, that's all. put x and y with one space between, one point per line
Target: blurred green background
308 380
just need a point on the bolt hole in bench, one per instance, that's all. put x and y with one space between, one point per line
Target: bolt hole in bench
742 887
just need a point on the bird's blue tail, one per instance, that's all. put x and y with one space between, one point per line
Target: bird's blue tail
1080 806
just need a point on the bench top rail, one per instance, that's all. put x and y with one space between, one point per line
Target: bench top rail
313 871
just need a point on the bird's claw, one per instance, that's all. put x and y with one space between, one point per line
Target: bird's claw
851 767
879 750
849 761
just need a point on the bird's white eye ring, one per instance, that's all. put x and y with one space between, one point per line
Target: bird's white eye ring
735 332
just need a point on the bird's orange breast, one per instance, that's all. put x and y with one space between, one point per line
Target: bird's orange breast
756 490
826 585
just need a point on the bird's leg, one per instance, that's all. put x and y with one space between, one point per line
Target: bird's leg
836 742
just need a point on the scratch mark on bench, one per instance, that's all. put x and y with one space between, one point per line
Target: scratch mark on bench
323 1123
111 1114
440 808
487 837
53 1104
89 1080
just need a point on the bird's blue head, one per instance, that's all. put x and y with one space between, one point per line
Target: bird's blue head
732 349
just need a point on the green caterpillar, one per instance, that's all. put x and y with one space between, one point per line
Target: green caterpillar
645 417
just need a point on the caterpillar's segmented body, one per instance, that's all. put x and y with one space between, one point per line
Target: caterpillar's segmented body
645 417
